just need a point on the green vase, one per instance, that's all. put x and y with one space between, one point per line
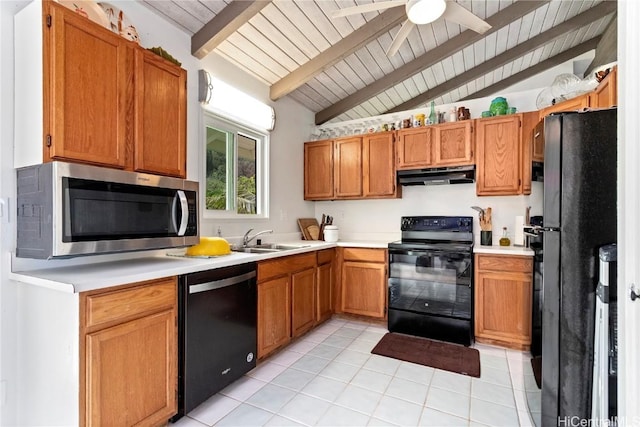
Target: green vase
433 117
499 106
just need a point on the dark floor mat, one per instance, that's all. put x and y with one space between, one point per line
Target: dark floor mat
437 354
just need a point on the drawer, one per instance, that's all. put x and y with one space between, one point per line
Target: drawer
326 256
510 263
121 305
285 265
364 254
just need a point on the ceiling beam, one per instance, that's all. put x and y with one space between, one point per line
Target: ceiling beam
225 23
558 59
370 31
607 50
578 21
435 55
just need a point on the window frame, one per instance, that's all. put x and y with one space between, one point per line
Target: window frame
211 119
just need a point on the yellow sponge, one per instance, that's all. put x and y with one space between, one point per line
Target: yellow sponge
210 246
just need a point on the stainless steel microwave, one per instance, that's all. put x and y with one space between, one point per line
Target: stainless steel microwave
67 209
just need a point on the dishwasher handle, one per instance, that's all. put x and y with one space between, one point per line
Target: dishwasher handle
222 283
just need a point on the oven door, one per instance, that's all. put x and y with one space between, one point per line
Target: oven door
431 293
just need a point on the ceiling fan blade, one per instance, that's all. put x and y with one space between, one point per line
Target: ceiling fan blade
459 15
404 31
370 7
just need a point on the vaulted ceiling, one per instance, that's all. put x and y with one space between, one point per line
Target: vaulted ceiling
338 68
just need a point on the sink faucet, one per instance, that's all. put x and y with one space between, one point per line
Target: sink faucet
246 239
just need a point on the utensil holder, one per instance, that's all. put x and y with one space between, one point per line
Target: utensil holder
486 239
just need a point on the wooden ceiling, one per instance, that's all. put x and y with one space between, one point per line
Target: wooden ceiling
337 67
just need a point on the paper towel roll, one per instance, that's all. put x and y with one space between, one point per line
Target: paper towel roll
518 234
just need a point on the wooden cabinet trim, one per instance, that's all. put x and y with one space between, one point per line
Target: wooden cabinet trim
365 254
326 255
285 265
101 309
504 263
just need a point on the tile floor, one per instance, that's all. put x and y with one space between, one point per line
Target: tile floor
330 378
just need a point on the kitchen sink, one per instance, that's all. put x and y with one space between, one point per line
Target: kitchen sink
254 250
268 248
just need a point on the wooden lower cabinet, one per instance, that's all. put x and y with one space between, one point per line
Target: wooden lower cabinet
303 300
503 292
364 282
129 355
286 300
324 284
274 314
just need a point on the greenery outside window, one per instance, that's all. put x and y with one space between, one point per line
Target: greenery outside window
235 170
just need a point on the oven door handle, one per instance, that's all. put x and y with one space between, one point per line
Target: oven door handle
423 252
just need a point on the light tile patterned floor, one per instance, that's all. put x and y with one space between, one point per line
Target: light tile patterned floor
330 378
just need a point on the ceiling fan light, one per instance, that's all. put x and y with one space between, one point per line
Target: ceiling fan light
425 11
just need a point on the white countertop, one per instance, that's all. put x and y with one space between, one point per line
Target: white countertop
503 250
97 275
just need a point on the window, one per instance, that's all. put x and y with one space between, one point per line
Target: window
235 181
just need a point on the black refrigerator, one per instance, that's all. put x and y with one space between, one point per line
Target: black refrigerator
579 216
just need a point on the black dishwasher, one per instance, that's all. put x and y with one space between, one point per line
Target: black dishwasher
217 331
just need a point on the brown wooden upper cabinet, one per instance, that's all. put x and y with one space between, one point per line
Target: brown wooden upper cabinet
347 167
606 94
355 167
573 104
318 170
446 144
500 156
453 144
108 101
378 171
413 150
160 143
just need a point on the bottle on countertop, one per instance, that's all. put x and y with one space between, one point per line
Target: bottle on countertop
453 114
504 240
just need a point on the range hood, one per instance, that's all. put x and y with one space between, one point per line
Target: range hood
438 176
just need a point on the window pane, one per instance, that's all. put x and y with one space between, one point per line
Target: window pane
217 160
247 157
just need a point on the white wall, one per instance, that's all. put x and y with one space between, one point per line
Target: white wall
380 219
8 289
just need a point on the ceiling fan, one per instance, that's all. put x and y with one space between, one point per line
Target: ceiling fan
420 12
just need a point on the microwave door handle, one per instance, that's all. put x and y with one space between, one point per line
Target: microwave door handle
184 209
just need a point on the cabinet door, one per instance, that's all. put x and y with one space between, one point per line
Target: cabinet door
364 288
132 372
348 167
503 308
161 116
453 144
413 150
87 82
538 142
318 170
274 315
303 297
573 104
606 94
324 306
498 163
528 123
379 173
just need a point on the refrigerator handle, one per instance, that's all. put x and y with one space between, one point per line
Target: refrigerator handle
632 292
